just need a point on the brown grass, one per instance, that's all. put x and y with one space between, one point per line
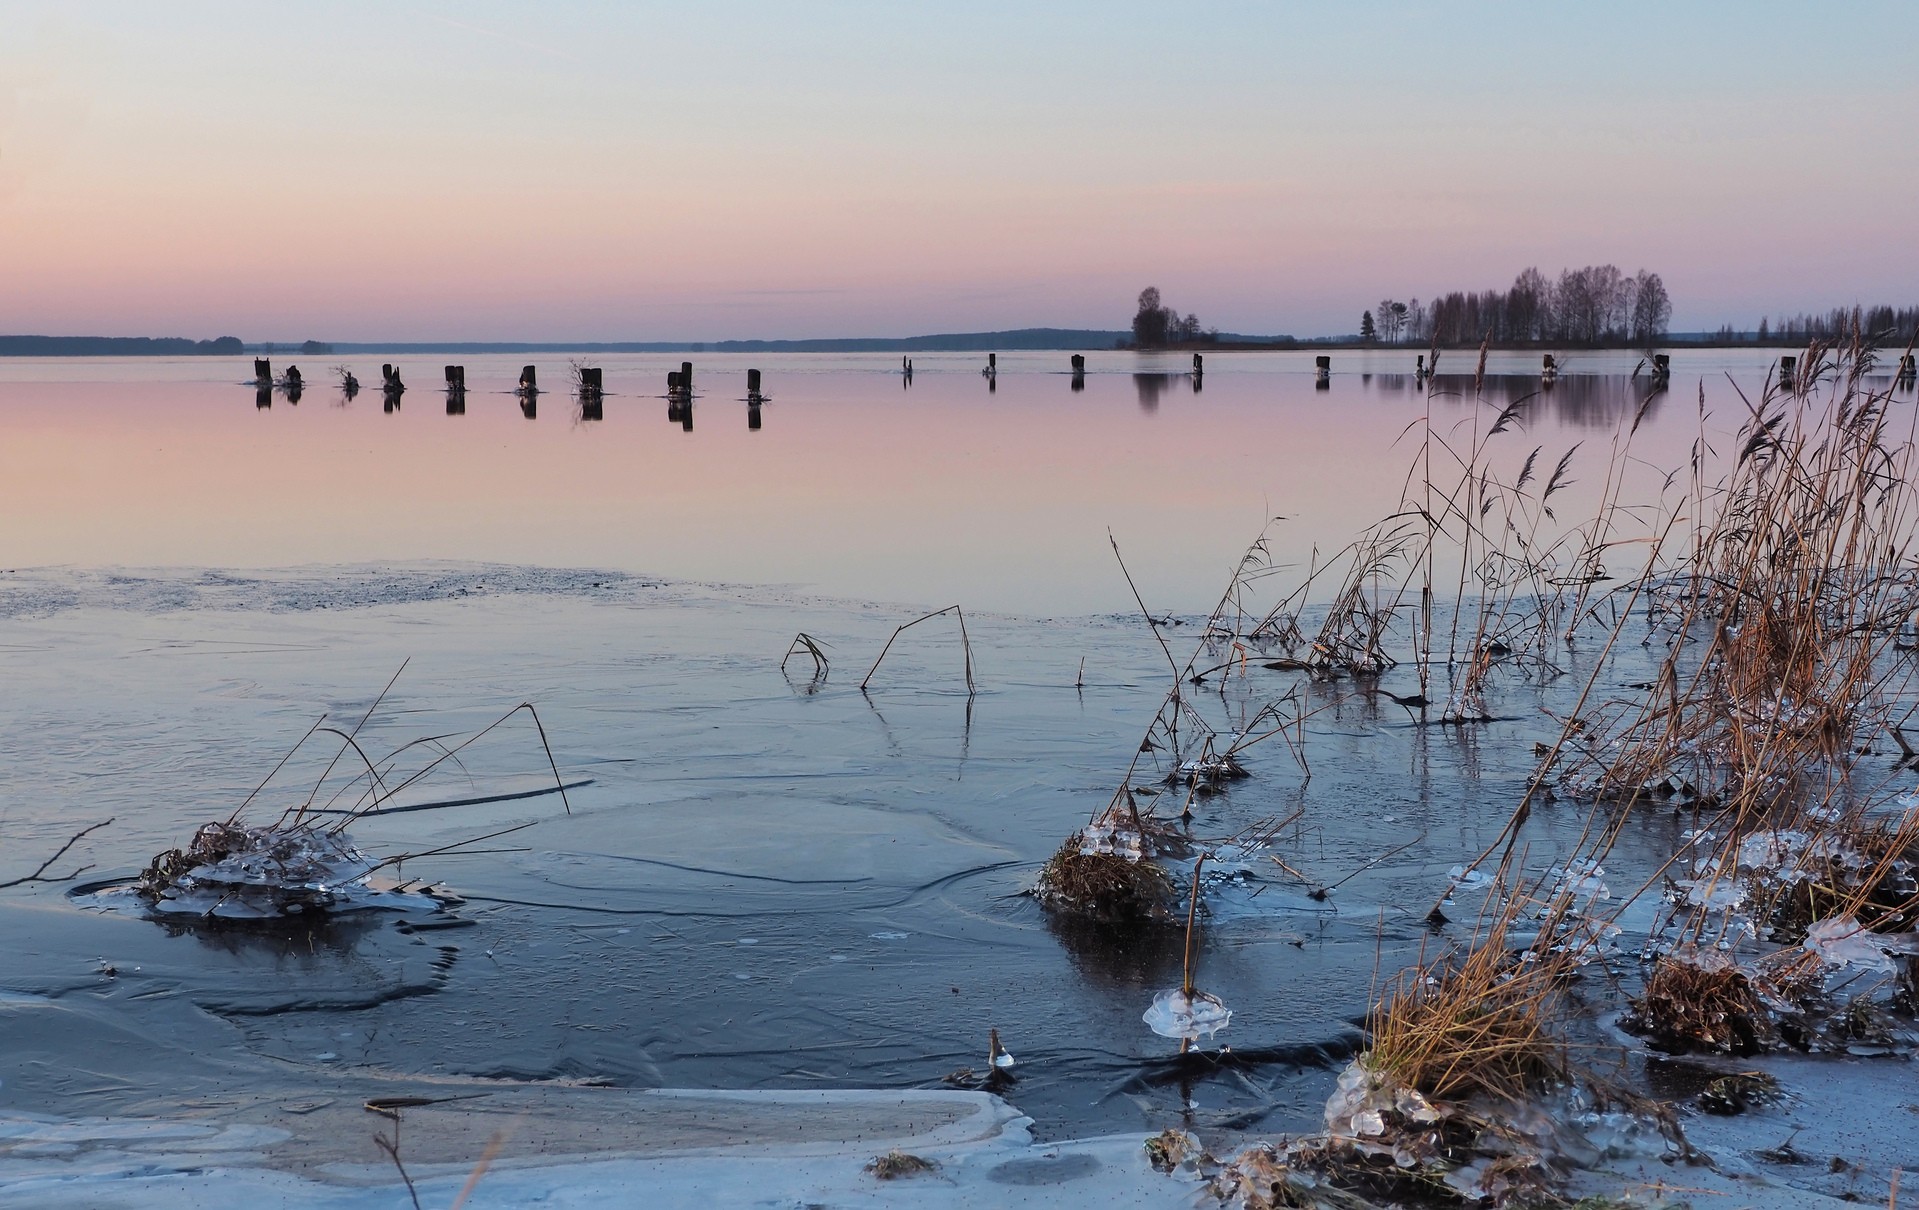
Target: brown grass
1474 1026
1691 1007
1106 887
896 1163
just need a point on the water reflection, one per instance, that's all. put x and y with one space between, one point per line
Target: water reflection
752 418
299 937
1152 386
1120 959
1082 462
1587 401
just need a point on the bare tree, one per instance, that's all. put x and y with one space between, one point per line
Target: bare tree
1652 308
1151 320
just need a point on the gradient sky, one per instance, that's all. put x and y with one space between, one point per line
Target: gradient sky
424 169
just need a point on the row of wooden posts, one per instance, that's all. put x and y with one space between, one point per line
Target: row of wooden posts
679 383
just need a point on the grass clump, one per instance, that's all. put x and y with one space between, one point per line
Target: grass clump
1107 887
1700 1001
1474 1028
896 1163
1170 1148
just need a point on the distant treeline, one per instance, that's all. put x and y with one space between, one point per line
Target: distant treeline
115 346
1884 324
949 342
1596 305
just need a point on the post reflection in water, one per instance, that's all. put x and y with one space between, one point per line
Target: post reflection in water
530 405
753 419
847 456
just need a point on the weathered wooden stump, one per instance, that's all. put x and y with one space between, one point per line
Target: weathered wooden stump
590 382
686 376
456 378
529 379
1661 366
1548 369
294 381
1786 367
262 370
1322 370
752 386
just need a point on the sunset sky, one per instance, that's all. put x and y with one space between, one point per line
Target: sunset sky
424 169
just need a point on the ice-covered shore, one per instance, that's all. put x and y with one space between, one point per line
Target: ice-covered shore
582 1147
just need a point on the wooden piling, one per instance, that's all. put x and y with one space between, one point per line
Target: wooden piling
1079 363
1548 370
262 370
686 376
529 380
1199 365
752 384
590 382
1661 365
1322 370
456 378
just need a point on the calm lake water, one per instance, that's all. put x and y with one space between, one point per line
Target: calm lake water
768 882
995 495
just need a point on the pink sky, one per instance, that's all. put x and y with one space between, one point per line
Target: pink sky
480 171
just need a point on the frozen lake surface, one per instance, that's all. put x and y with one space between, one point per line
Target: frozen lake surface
768 882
